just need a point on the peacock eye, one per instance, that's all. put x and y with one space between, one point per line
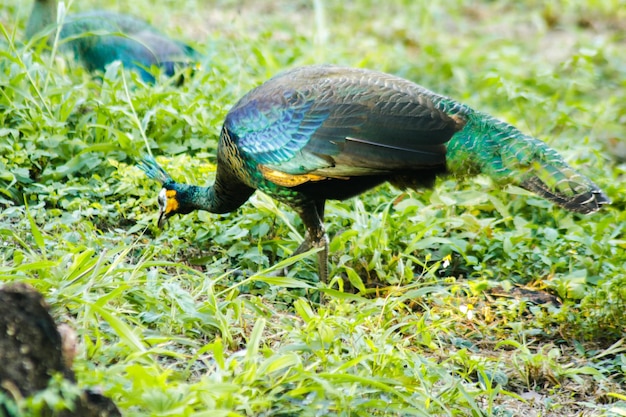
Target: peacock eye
162 199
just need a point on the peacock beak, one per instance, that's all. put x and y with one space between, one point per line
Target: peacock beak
162 219
167 205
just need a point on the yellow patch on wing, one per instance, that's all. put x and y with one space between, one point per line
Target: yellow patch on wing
287 180
172 202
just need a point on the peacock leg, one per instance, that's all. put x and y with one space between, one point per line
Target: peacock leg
315 236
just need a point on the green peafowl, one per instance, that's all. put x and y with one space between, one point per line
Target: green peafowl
327 132
97 38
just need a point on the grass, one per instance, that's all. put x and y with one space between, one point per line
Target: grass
462 300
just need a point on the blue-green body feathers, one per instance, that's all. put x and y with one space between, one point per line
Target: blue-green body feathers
326 132
98 38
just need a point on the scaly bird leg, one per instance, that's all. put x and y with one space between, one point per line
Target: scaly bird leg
315 237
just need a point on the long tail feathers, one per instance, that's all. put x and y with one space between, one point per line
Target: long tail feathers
565 187
543 171
499 150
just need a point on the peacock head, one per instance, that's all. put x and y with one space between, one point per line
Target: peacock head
169 203
171 197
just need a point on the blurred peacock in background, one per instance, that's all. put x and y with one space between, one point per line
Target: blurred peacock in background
98 38
327 132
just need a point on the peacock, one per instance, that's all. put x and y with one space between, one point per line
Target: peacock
329 132
97 38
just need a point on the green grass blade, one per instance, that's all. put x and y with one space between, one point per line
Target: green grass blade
123 330
35 231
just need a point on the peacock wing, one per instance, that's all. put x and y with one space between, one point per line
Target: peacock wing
340 122
101 37
164 49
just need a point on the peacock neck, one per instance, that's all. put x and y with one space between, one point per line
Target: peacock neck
214 198
42 15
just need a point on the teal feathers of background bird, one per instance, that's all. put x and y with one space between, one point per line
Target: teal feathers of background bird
327 132
98 38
